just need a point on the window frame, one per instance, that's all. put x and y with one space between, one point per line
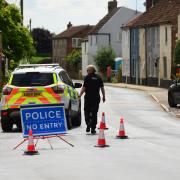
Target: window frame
75 42
67 79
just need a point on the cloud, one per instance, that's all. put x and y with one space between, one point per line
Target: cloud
54 5
55 14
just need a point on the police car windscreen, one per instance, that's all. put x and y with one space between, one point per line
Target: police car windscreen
32 79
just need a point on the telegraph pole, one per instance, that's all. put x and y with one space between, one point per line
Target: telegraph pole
1 56
22 9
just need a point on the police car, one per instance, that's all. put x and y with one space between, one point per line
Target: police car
39 84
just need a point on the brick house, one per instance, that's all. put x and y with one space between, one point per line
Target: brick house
154 35
65 42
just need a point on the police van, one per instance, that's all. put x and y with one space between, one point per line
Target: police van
39 84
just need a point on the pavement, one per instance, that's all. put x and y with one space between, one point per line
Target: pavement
160 95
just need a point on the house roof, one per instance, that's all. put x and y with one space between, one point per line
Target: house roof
72 31
104 20
164 11
132 21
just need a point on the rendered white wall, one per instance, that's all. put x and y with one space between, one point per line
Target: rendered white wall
126 52
165 50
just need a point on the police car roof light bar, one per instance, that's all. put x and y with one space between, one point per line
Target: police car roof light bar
38 65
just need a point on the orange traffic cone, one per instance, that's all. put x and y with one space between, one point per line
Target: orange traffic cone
31 148
103 122
101 139
122 134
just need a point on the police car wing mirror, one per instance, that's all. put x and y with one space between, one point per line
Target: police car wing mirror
77 85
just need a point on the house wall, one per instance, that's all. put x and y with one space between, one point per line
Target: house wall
152 55
59 50
92 48
63 46
113 26
179 26
165 52
134 56
126 55
142 55
95 43
84 45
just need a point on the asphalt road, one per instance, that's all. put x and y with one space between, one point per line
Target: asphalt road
152 152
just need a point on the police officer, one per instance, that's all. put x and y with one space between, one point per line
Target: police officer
92 85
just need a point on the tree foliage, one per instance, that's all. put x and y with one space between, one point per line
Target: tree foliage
104 58
74 58
177 53
42 40
17 41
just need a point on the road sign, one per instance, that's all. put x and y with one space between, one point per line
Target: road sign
44 120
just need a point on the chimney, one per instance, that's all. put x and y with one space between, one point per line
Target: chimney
112 5
69 25
150 3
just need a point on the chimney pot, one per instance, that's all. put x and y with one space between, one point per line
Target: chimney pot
69 25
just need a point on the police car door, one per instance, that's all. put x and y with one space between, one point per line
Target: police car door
73 95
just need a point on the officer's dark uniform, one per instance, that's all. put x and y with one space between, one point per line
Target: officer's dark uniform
92 84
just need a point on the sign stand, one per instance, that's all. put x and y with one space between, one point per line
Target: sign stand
44 137
46 121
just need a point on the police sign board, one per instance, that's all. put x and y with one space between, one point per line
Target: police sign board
44 120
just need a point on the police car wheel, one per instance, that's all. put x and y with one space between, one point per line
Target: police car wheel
6 124
69 118
19 126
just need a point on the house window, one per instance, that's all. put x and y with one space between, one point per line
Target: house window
149 66
133 67
85 47
95 39
76 42
91 41
119 38
166 35
134 37
165 67
152 68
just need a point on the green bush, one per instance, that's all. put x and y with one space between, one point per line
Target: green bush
74 58
104 58
114 80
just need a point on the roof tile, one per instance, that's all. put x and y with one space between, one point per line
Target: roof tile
72 31
165 11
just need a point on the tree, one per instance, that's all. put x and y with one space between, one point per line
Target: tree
104 58
74 58
42 40
17 41
177 53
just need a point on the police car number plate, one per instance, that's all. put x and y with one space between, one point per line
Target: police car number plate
30 93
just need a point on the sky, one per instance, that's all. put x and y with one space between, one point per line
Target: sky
54 15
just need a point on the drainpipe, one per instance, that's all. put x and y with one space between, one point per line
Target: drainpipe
146 56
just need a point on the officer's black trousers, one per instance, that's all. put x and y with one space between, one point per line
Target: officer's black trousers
90 111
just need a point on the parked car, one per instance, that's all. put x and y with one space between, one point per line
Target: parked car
39 84
174 94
